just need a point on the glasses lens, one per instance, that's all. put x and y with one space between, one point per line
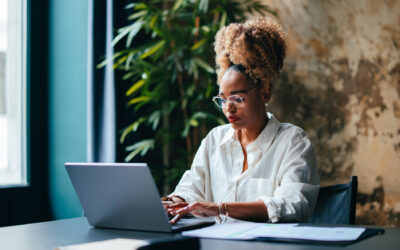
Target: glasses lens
237 100
218 101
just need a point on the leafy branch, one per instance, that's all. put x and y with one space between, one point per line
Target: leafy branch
171 73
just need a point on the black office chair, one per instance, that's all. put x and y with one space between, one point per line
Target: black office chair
336 204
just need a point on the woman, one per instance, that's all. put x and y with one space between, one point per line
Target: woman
254 168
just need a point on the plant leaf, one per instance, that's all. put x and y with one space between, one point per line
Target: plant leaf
135 28
177 5
137 14
205 28
135 87
153 21
185 131
111 59
131 128
203 6
193 122
121 33
198 44
128 75
140 147
199 115
125 132
223 19
204 65
153 49
140 6
119 61
138 99
155 119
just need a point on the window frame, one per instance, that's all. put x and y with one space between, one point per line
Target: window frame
34 195
24 101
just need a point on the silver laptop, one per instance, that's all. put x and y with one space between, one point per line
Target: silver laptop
123 196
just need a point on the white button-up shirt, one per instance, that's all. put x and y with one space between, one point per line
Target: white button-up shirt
281 172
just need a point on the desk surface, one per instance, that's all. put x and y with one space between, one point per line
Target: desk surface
48 235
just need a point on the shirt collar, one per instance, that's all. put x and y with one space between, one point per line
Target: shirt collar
229 136
264 139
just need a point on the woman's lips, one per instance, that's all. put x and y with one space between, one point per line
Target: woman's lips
233 118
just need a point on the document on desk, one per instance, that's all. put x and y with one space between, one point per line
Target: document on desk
249 230
238 230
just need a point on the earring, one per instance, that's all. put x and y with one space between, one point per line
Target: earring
266 104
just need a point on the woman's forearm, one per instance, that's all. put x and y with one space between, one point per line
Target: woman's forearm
250 211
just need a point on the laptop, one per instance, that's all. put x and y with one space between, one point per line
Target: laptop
124 196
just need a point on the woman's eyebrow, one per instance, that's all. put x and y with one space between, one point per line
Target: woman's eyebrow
235 92
238 91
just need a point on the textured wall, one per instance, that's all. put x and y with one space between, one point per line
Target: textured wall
341 83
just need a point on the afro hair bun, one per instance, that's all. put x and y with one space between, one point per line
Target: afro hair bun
259 45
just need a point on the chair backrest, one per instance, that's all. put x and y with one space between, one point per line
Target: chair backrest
336 204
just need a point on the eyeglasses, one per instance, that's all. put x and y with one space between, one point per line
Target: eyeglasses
236 100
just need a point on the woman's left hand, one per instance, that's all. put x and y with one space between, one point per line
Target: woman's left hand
199 209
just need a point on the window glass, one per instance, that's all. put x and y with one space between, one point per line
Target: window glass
12 92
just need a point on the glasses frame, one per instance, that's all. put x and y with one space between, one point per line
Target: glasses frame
232 99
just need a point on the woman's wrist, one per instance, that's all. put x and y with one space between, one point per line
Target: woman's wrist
223 210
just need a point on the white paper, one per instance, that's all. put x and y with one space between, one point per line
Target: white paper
232 230
310 233
120 244
250 230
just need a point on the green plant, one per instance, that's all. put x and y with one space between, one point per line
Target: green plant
172 74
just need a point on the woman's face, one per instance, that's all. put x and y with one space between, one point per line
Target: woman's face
251 113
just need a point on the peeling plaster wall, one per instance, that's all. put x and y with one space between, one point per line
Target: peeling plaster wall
341 83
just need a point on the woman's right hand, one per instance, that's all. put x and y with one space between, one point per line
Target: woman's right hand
169 200
198 209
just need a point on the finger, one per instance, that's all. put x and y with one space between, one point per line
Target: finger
171 212
183 211
177 205
174 210
175 219
188 208
198 209
165 205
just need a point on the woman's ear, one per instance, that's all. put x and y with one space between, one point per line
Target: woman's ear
266 93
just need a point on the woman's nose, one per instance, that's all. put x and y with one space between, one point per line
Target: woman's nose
230 107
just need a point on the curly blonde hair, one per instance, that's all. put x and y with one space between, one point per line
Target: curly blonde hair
258 45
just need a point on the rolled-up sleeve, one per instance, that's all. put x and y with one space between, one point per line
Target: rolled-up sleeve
297 183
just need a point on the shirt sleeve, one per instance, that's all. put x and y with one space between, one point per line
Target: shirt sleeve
297 189
191 187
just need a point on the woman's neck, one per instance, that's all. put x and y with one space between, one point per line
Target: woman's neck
248 135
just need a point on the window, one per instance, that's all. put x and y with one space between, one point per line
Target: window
13 93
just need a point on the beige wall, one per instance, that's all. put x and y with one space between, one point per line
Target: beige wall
341 83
